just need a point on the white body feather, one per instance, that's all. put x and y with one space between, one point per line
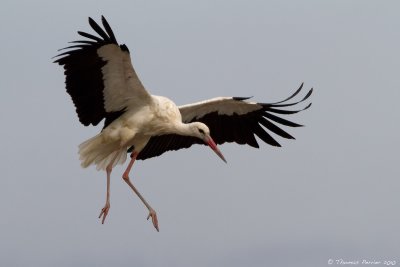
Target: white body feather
134 128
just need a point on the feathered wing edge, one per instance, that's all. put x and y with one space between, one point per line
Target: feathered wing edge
83 71
108 37
235 128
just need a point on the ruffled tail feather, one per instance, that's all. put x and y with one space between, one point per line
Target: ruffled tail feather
96 151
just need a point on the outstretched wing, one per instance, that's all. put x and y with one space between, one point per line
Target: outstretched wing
230 119
100 77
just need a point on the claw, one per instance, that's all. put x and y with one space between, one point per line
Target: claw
154 219
104 212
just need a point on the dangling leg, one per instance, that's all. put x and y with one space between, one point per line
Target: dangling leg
104 211
125 176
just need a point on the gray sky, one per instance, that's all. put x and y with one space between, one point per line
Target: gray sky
331 194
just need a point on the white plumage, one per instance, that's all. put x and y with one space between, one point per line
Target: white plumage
103 85
133 128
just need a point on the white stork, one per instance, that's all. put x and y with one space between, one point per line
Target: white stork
103 84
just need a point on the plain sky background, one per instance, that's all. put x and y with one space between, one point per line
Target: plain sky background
333 193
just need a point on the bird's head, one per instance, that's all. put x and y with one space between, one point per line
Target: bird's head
201 131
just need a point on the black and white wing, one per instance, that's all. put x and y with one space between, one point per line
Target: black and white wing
230 119
100 77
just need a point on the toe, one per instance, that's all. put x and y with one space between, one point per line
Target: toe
103 213
154 219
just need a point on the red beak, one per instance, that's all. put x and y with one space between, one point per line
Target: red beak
210 142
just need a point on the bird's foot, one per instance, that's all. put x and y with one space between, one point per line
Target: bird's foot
153 215
104 212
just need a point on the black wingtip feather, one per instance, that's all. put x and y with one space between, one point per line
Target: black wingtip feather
291 96
90 36
98 29
238 98
83 42
309 105
275 129
281 121
261 133
108 30
308 94
283 104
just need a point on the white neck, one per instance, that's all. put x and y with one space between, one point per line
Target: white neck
185 129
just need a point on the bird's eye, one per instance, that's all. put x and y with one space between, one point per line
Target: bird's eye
201 131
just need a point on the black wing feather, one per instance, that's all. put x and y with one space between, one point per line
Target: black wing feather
160 144
108 30
293 95
292 104
84 77
275 129
280 120
233 128
98 29
261 133
90 36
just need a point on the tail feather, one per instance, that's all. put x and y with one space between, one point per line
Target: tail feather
119 155
100 153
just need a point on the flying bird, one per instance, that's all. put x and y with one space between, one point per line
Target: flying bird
103 85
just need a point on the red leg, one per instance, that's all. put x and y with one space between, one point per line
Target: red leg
104 211
125 176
